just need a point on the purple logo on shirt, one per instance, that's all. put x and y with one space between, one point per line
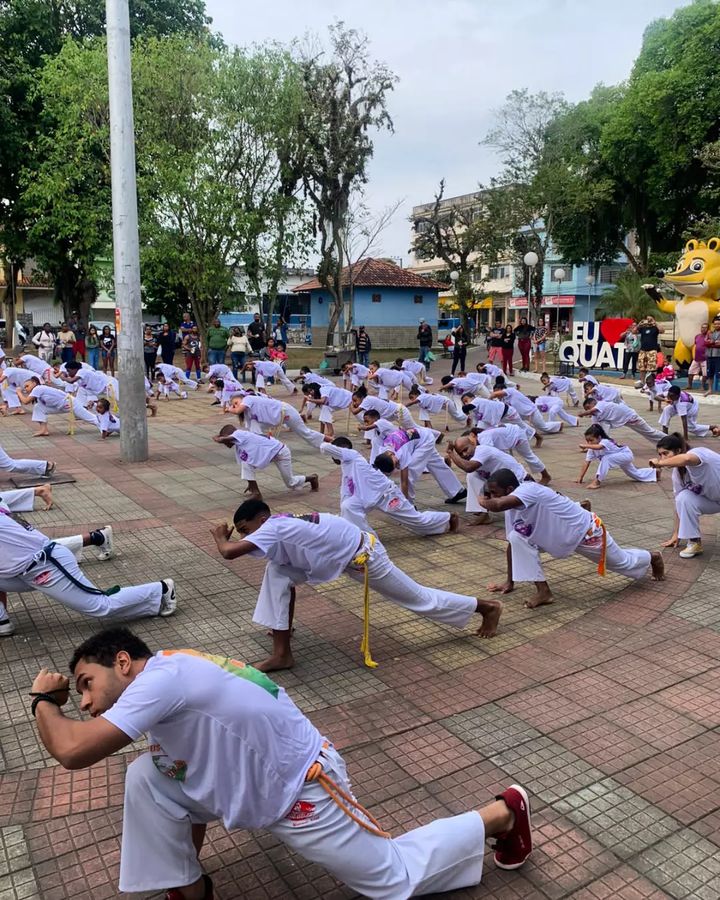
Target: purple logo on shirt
543 407
350 485
523 528
243 455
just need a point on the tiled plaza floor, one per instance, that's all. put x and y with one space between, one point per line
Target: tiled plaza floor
605 705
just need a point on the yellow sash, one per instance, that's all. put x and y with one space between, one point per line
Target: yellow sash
361 559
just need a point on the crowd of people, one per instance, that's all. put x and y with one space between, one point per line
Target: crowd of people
231 744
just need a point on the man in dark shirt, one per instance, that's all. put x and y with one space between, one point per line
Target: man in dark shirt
425 339
256 333
363 346
648 332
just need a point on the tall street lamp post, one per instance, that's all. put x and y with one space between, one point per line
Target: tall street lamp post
530 259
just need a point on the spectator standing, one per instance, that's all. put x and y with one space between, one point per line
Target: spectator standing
631 340
523 334
44 340
256 333
66 341
78 329
699 364
186 326
425 340
712 354
363 346
461 339
495 344
217 338
167 340
540 339
107 350
92 346
239 347
649 332
281 331
508 349
150 349
192 347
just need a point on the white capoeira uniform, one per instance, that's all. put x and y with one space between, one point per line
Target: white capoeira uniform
321 547
13 378
29 562
219 370
698 493
337 398
31 466
357 373
257 451
268 369
231 388
548 522
491 413
611 455
607 392
686 405
320 381
389 380
433 404
490 459
364 488
23 500
590 379
109 422
477 385
420 454
170 387
263 412
560 384
554 409
512 439
416 370
51 401
527 411
381 428
175 373
387 409
37 366
206 711
616 415
493 371
92 384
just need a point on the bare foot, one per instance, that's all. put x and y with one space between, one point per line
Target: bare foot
715 430
18 412
454 523
542 598
594 485
538 440
45 494
490 610
313 481
657 565
42 434
276 663
480 519
507 587
545 477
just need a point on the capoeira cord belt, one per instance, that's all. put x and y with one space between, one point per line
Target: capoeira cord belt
592 530
46 556
112 398
71 417
345 801
361 560
275 430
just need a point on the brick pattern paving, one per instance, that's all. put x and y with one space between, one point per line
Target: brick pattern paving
606 705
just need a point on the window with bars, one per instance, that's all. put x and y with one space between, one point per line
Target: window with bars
376 298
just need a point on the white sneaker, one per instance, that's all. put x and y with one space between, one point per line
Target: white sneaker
106 549
6 628
168 601
183 395
693 548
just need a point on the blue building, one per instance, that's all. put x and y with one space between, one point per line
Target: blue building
388 300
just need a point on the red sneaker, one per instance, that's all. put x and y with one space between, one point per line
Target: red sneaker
176 895
514 847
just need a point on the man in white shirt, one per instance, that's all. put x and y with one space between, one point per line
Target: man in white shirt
48 401
227 743
258 413
319 548
537 519
91 384
364 488
615 415
257 451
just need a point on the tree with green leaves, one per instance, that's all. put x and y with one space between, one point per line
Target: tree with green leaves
626 298
345 100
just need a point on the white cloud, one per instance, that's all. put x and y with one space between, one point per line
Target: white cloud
457 60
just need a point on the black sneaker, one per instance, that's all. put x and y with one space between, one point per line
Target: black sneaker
461 495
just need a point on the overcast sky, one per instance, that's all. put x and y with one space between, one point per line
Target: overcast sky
457 60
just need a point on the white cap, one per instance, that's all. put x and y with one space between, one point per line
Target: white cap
421 321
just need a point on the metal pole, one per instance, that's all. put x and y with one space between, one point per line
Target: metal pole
126 250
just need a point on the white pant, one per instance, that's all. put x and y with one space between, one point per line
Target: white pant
326 414
512 417
127 603
280 375
399 508
624 460
431 460
31 466
560 413
690 507
293 420
536 421
9 396
41 412
523 449
475 490
451 411
271 610
283 461
157 848
640 426
526 565
693 426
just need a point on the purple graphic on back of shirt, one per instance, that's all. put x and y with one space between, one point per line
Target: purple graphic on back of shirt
523 528
350 485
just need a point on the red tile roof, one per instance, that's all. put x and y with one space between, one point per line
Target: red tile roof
378 273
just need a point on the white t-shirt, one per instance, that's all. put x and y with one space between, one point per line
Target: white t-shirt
34 364
359 478
420 447
267 368
386 408
170 372
93 382
615 413
16 377
703 479
109 422
590 379
549 521
465 385
432 403
414 366
390 378
256 450
488 413
504 437
337 398
549 404
219 370
313 378
606 392
491 459
265 410
492 370
685 405
234 739
608 447
18 544
50 397
319 545
519 402
558 384
359 370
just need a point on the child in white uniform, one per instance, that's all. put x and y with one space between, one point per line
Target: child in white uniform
537 520
48 401
175 374
616 415
387 409
39 467
264 369
683 404
413 452
696 486
512 439
356 374
559 384
433 404
554 409
610 455
107 421
375 428
602 392
389 381
12 380
36 365
476 385
199 712
364 488
260 413
525 408
491 413
91 384
258 451
330 399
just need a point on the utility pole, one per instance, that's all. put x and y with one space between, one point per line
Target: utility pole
126 249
